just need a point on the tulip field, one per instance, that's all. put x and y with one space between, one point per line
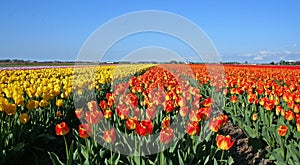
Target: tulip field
149 114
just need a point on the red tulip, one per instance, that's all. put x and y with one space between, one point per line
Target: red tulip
195 116
289 115
165 122
131 123
233 99
92 105
61 129
108 114
169 107
84 130
183 111
224 142
109 136
93 117
79 113
216 123
208 102
122 111
166 135
144 128
282 130
192 128
103 105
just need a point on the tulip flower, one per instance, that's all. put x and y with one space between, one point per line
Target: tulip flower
84 130
59 102
109 136
216 123
254 117
11 109
165 122
233 99
144 128
79 113
208 102
108 114
32 104
61 129
93 117
122 111
92 105
192 128
131 123
24 118
289 115
224 142
298 122
166 135
183 111
282 130
169 107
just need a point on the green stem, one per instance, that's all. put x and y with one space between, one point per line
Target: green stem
88 148
111 155
222 157
66 144
161 156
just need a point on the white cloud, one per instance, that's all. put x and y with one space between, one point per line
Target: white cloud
280 55
259 58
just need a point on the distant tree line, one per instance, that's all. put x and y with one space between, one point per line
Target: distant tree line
282 62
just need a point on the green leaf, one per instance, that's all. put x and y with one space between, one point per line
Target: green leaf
294 153
117 158
250 132
54 158
173 147
179 158
215 161
206 160
277 155
230 160
70 158
151 162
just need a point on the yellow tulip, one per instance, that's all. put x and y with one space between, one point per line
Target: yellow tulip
59 102
24 118
11 109
32 104
43 103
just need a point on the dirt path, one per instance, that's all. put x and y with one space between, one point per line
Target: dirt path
242 152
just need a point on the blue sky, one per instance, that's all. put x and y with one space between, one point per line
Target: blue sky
253 31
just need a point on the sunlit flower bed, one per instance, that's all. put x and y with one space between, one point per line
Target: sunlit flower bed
168 114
